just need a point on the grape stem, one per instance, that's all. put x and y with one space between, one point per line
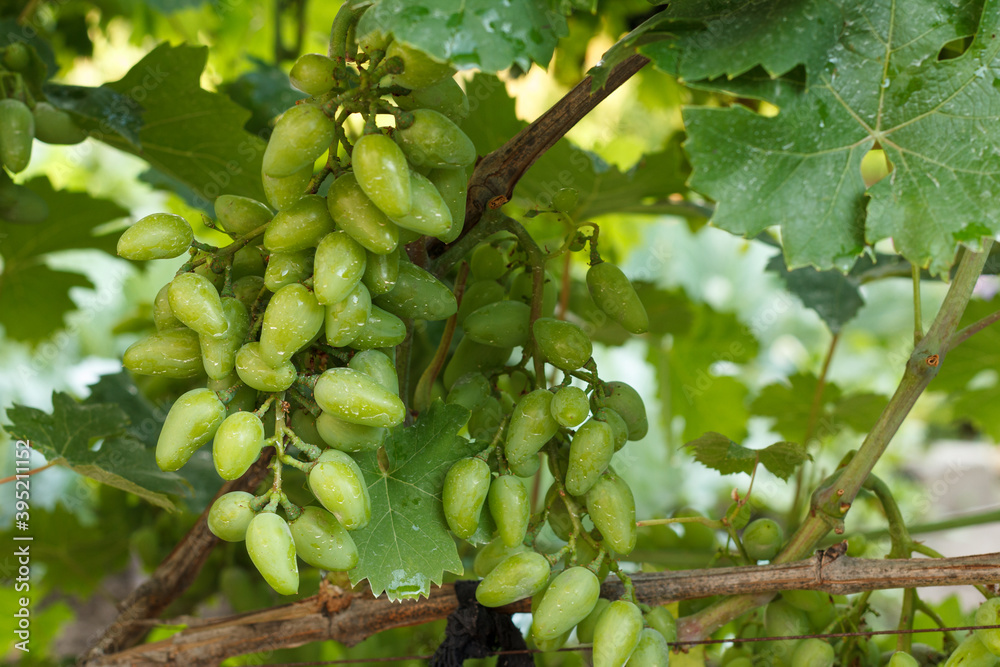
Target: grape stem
425 385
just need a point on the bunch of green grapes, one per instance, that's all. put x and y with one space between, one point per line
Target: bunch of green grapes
23 119
296 323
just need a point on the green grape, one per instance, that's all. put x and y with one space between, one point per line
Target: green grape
813 653
585 628
564 200
22 206
241 215
518 576
299 226
312 73
472 357
548 645
531 425
339 485
568 600
382 330
563 344
446 97
492 555
378 366
55 126
349 437
238 443
230 515
484 422
381 272
381 170
589 455
782 619
248 261
487 262
346 318
522 287
570 406
740 662
419 69
284 191
218 353
988 613
17 130
357 398
301 135
322 542
808 601
172 353
616 634
500 324
434 141
418 295
452 185
477 295
470 391
286 268
340 263
248 288
272 550
612 509
430 214
465 488
191 422
163 317
971 653
205 270
660 619
195 302
156 236
510 509
291 320
526 467
357 215
304 426
901 659
559 518
588 556
651 651
618 426
762 539
614 295
260 375
627 402
17 56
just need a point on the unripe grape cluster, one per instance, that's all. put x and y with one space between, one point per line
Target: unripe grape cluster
296 322
23 118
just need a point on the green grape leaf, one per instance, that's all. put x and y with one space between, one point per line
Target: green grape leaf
33 297
716 451
937 121
67 437
791 404
407 546
688 382
480 34
98 110
834 296
782 458
602 188
189 133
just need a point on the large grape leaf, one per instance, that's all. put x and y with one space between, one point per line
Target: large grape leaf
488 35
33 297
125 458
937 120
406 546
190 134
